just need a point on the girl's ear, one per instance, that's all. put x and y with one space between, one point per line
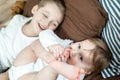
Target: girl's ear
34 9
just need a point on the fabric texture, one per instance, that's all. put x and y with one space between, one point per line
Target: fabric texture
1 67
111 35
81 21
48 38
12 40
100 77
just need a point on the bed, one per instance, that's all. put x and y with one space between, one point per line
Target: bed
84 19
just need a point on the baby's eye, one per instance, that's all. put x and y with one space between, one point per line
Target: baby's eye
79 46
81 58
54 24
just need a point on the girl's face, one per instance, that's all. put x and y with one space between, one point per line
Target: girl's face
47 17
81 54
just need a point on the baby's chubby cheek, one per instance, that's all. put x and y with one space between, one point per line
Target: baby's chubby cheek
71 61
74 61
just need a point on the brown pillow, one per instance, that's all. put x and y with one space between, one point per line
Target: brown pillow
28 6
84 19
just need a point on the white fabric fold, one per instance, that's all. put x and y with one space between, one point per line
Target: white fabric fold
48 38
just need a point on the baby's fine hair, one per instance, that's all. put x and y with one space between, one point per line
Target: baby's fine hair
59 3
101 55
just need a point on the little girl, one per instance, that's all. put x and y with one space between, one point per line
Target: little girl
22 31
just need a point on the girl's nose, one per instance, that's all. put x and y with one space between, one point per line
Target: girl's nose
46 23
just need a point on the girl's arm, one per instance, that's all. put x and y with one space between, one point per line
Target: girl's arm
31 53
4 76
40 52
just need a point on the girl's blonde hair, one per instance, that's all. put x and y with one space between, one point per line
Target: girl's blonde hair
59 3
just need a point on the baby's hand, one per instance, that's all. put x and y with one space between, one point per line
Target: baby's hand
56 49
65 55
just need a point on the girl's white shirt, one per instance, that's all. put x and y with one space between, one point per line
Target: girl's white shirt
12 40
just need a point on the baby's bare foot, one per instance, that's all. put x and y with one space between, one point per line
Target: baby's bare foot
69 71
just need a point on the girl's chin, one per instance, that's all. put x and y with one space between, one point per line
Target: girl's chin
39 30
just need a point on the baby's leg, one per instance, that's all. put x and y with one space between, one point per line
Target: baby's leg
47 73
69 71
29 76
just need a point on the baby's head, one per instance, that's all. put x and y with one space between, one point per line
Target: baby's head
92 55
101 55
48 14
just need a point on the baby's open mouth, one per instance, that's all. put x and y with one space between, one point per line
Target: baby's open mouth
69 57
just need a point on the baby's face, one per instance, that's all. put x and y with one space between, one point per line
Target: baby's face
47 17
81 54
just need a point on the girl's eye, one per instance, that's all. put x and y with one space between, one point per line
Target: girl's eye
45 15
81 58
